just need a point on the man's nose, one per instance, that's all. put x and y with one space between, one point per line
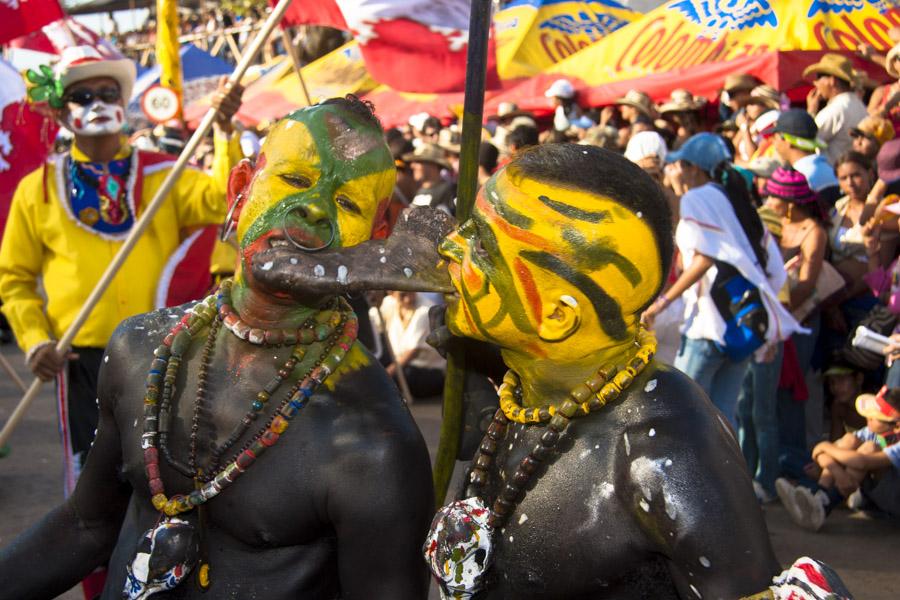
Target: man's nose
312 213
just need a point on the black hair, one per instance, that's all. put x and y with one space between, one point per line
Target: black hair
892 397
392 135
523 136
603 173
433 123
735 188
363 109
487 156
854 157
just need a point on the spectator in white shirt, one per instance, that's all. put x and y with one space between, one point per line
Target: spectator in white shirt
843 110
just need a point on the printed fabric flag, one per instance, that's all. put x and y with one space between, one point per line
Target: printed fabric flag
55 37
21 17
533 35
410 45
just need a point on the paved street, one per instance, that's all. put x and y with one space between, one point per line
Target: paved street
862 550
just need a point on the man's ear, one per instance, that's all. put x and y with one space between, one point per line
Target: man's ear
239 185
560 319
381 228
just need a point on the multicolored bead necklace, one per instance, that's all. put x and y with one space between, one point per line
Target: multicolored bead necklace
341 325
605 385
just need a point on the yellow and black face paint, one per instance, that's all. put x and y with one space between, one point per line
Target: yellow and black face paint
528 237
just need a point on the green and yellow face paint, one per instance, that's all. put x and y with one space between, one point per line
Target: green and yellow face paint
527 244
323 179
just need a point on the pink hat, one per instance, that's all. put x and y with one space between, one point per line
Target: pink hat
790 185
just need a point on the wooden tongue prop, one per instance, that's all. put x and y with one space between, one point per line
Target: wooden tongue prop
406 261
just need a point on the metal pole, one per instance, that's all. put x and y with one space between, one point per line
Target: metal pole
144 221
473 116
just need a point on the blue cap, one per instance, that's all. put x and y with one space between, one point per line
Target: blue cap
705 150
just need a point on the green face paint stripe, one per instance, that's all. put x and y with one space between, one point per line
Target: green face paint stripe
508 213
575 213
473 312
333 173
601 252
608 311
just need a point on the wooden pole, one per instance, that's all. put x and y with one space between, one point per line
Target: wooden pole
389 348
473 116
144 221
295 59
4 362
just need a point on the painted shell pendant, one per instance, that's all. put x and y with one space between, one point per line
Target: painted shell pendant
459 547
164 557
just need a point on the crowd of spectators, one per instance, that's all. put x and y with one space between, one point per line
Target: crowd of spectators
786 223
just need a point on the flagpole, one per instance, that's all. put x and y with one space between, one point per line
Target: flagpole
288 41
467 187
144 221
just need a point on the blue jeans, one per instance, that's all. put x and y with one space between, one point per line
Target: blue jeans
757 410
719 376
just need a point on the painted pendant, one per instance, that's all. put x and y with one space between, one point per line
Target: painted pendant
164 557
459 547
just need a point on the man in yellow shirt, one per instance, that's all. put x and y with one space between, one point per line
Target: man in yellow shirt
69 218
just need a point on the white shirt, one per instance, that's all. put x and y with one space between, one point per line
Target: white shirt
840 115
708 225
411 336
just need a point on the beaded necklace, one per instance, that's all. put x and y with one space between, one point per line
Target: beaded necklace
157 404
605 385
459 547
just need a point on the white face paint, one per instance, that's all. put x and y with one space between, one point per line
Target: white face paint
97 118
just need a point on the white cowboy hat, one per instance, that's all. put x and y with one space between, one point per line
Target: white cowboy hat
78 63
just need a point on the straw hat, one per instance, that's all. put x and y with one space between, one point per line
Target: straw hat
740 81
892 55
765 95
874 406
835 65
449 139
428 153
877 128
78 63
638 100
507 111
682 100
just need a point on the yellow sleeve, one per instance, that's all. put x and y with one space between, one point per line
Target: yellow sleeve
21 263
200 197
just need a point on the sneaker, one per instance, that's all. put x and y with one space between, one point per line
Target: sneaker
856 501
762 495
785 490
810 508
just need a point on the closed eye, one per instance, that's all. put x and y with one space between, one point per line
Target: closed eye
298 181
348 204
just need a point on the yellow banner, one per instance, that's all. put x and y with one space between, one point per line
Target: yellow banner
167 49
685 33
338 73
533 35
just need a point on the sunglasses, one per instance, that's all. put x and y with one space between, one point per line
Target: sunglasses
83 97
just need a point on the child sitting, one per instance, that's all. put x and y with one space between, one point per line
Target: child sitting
867 460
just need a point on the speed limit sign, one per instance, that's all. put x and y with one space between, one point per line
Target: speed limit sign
160 104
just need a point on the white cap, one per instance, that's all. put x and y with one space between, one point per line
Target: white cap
644 144
765 122
417 121
561 88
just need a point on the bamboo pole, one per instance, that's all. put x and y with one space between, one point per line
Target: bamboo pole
4 362
473 116
144 221
295 59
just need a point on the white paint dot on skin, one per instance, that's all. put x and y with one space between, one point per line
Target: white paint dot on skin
523 518
696 591
651 385
319 271
597 447
640 215
267 266
510 538
652 432
342 274
106 358
627 446
668 462
705 562
135 422
510 447
645 505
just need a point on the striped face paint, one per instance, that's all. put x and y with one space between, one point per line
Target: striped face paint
528 244
322 171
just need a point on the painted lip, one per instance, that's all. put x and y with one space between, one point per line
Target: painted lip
100 119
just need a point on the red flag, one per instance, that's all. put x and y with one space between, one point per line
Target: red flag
25 137
21 17
410 45
55 37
